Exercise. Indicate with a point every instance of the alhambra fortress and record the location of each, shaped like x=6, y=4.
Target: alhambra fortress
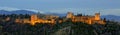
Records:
x=51, y=19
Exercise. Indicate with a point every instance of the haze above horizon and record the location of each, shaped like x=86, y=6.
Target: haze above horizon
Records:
x=106, y=7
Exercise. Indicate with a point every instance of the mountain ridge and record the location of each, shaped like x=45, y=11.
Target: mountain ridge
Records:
x=111, y=17
x=108, y=17
x=16, y=12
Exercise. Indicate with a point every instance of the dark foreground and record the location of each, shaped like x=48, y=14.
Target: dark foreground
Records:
x=65, y=28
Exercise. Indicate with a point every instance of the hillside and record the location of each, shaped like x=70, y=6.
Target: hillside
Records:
x=111, y=17
x=65, y=28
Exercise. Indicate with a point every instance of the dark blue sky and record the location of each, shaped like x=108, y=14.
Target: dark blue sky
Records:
x=82, y=6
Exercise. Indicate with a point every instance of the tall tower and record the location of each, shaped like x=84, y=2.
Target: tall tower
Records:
x=52, y=21
x=33, y=19
x=97, y=16
x=69, y=15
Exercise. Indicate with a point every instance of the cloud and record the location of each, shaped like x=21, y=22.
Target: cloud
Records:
x=37, y=11
x=10, y=9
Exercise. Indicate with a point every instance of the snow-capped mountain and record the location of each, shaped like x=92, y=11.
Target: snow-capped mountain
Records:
x=16, y=12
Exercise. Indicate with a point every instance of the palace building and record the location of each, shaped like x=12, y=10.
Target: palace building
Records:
x=35, y=19
x=85, y=19
x=51, y=19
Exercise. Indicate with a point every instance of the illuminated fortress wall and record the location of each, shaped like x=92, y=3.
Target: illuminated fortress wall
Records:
x=86, y=19
x=34, y=19
x=50, y=19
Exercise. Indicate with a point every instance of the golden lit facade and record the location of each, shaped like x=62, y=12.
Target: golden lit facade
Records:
x=50, y=19
x=86, y=19
x=69, y=15
x=34, y=19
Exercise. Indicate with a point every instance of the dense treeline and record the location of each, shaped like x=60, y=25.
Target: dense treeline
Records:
x=79, y=28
